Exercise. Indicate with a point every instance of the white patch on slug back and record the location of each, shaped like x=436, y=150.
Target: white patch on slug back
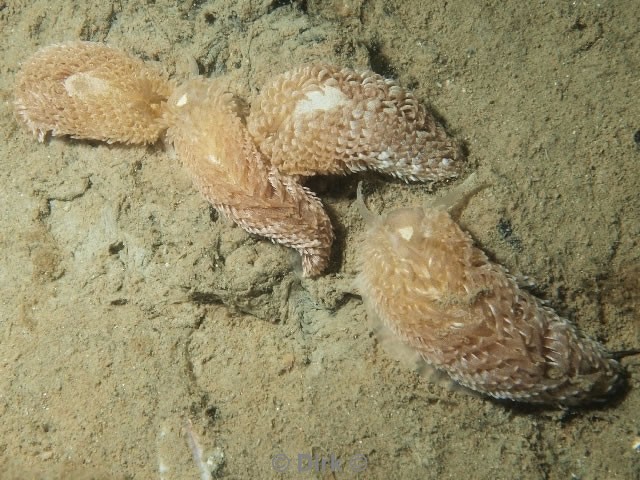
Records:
x=84, y=85
x=182, y=101
x=406, y=232
x=327, y=98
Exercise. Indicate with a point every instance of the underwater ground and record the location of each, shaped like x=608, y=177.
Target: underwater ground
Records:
x=134, y=320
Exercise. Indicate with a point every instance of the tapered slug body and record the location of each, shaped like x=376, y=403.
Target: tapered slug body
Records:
x=214, y=145
x=422, y=276
x=92, y=91
x=319, y=119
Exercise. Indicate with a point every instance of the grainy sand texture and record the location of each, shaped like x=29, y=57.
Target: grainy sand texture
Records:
x=137, y=326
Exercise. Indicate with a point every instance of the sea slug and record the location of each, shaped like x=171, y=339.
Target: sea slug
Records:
x=214, y=145
x=465, y=315
x=321, y=119
x=91, y=91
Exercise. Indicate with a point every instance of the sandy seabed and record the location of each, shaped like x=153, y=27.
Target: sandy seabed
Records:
x=134, y=319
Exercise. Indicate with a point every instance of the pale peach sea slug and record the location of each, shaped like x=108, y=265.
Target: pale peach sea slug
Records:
x=214, y=145
x=465, y=315
x=93, y=91
x=320, y=119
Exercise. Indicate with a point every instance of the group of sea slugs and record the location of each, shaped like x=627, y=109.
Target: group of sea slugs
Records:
x=420, y=273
